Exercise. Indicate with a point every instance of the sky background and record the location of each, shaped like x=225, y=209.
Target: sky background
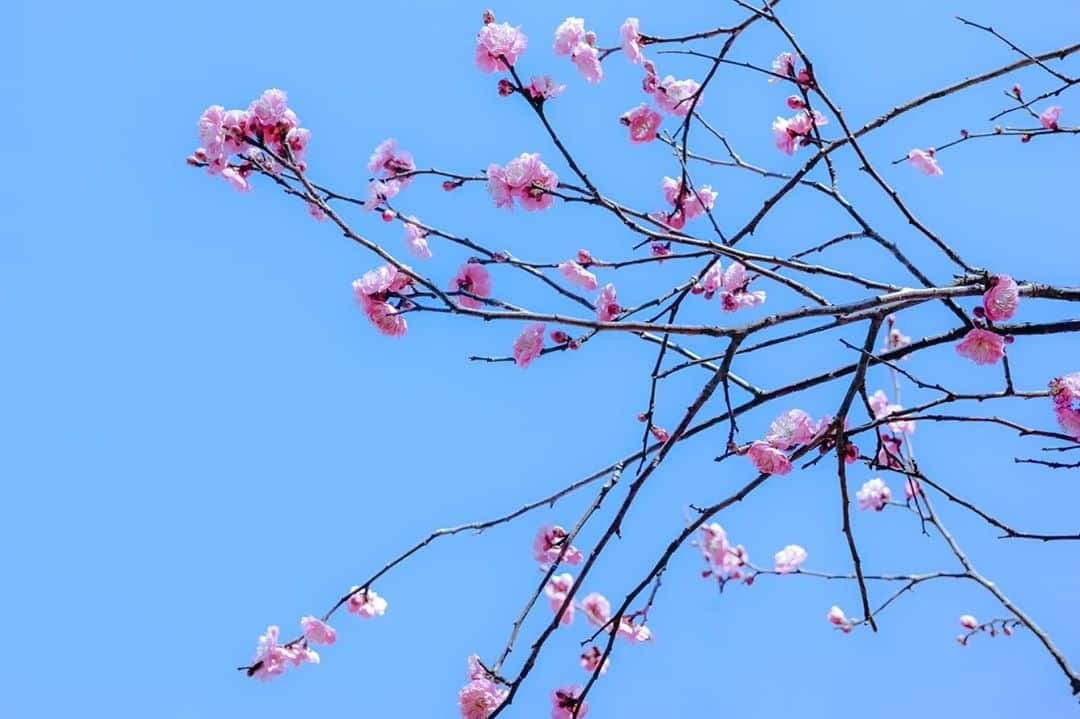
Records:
x=202, y=435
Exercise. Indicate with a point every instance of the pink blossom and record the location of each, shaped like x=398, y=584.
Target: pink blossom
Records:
x=211, y=133
x=789, y=429
x=924, y=160
x=630, y=37
x=982, y=346
x=235, y=178
x=416, y=238
x=797, y=128
x=525, y=178
x=474, y=279
x=1065, y=393
x=386, y=318
x=366, y=603
x=713, y=279
x=476, y=668
x=317, y=631
x=271, y=108
x=676, y=96
x=735, y=293
x=297, y=139
x=1001, y=300
x=380, y=279
x=607, y=304
x=568, y=35
x=549, y=542
x=889, y=453
x=968, y=622
x=784, y=64
x=837, y=617
x=912, y=487
x=1048, y=118
x=528, y=344
x=316, y=211
x=498, y=46
x=795, y=102
x=1069, y=419
x=564, y=703
x=578, y=275
x=387, y=162
x=590, y=660
x=543, y=87
x=379, y=191
x=597, y=609
x=789, y=558
x=768, y=459
x=635, y=633
x=874, y=494
x=480, y=698
x=643, y=122
x=556, y=590
x=692, y=206
x=271, y=657
x=587, y=59
x=881, y=406
x=714, y=543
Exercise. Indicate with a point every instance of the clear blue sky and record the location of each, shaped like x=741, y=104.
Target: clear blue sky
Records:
x=202, y=435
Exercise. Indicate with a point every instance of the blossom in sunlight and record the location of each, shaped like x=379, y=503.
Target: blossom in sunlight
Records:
x=607, y=304
x=969, y=622
x=474, y=279
x=837, y=617
x=597, y=609
x=784, y=65
x=788, y=133
x=548, y=543
x=630, y=40
x=587, y=59
x=924, y=160
x=1001, y=300
x=881, y=406
x=528, y=344
x=366, y=603
x=578, y=275
x=556, y=590
x=789, y=429
x=691, y=204
x=317, y=631
x=590, y=660
x=1065, y=393
x=542, y=87
x=768, y=459
x=498, y=45
x=387, y=161
x=480, y=698
x=526, y=179
x=1048, y=118
x=789, y=558
x=676, y=96
x=874, y=494
x=416, y=238
x=565, y=703
x=643, y=122
x=568, y=35
x=982, y=346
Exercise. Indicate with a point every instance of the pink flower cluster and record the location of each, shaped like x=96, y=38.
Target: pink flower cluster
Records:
x=924, y=161
x=674, y=97
x=1065, y=394
x=387, y=162
x=590, y=660
x=597, y=611
x=267, y=121
x=732, y=284
x=631, y=40
x=272, y=658
x=549, y=542
x=725, y=561
x=529, y=344
x=796, y=130
x=365, y=603
x=373, y=290
x=572, y=39
x=525, y=178
x=498, y=45
x=874, y=494
x=686, y=204
x=482, y=695
x=836, y=616
x=788, y=559
x=881, y=407
x=607, y=304
x=790, y=429
x=578, y=275
x=784, y=66
x=643, y=121
x=416, y=238
x=472, y=278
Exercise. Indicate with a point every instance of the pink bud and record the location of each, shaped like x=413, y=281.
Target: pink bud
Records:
x=489, y=17
x=1009, y=339
x=968, y=622
x=997, y=130
x=584, y=258
x=706, y=573
x=559, y=337
x=795, y=102
x=804, y=77
x=749, y=581
x=388, y=216
x=643, y=416
x=979, y=312
x=1025, y=137
x=506, y=87
x=1007, y=630
x=192, y=160
x=962, y=639
x=660, y=433
x=964, y=133
x=573, y=344
x=697, y=289
x=499, y=257
x=449, y=185
x=590, y=37
x=1017, y=92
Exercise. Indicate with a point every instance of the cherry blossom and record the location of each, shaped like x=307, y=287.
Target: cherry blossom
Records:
x=590, y=660
x=635, y=633
x=982, y=346
x=1065, y=393
x=692, y=205
x=784, y=65
x=237, y=179
x=416, y=238
x=525, y=178
x=789, y=558
x=498, y=46
x=881, y=406
x=1048, y=118
x=735, y=294
x=316, y=212
x=924, y=160
x=587, y=59
x=789, y=132
x=379, y=191
x=630, y=38
x=317, y=631
x=556, y=590
x=676, y=96
x=387, y=162
x=725, y=560
x=597, y=609
x=607, y=304
x=365, y=603
x=837, y=617
x=474, y=279
x=578, y=275
x=549, y=542
x=480, y=698
x=528, y=344
x=874, y=494
x=768, y=459
x=791, y=428
x=272, y=659
x=564, y=703
x=643, y=122
x=543, y=87
x=568, y=35
x=1001, y=300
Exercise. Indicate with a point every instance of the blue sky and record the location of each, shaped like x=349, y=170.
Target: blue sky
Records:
x=203, y=435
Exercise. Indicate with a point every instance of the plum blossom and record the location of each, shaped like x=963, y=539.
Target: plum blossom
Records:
x=735, y=293
x=1065, y=393
x=474, y=279
x=549, y=542
x=578, y=275
x=676, y=96
x=607, y=304
x=630, y=38
x=416, y=238
x=912, y=487
x=784, y=65
x=525, y=178
x=837, y=617
x=365, y=603
x=480, y=698
x=1048, y=118
x=968, y=622
x=379, y=191
x=378, y=280
x=726, y=561
x=236, y=178
x=318, y=632
x=498, y=46
x=799, y=128
x=568, y=35
x=271, y=107
x=564, y=703
x=1001, y=300
x=636, y=633
x=982, y=346
x=543, y=88
x=881, y=406
x=768, y=459
x=387, y=162
x=271, y=658
x=557, y=589
x=643, y=122
x=789, y=429
x=528, y=344
x=693, y=205
x=924, y=160
x=316, y=212
x=371, y=292
x=587, y=59
x=789, y=558
x=590, y=660
x=874, y=494
x=597, y=609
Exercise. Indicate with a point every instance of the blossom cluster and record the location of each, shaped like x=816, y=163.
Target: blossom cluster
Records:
x=731, y=284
